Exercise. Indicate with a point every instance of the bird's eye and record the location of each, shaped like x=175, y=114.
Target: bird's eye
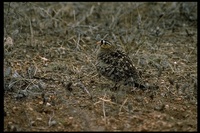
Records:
x=102, y=41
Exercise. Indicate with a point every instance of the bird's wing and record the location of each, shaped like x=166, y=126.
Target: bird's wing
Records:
x=117, y=66
x=125, y=63
x=119, y=63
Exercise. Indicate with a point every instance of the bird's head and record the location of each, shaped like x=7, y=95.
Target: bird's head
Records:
x=104, y=44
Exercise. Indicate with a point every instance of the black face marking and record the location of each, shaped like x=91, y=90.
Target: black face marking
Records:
x=105, y=42
x=102, y=42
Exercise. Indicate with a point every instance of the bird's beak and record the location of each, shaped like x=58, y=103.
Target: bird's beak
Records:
x=99, y=42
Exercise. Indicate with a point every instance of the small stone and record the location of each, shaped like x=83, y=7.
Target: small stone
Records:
x=71, y=118
x=39, y=119
x=42, y=85
x=31, y=109
x=159, y=108
x=139, y=99
x=88, y=38
x=167, y=106
x=52, y=123
x=178, y=99
x=10, y=122
x=41, y=102
x=23, y=92
x=48, y=104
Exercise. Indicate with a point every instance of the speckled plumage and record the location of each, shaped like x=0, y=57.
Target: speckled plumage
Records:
x=115, y=65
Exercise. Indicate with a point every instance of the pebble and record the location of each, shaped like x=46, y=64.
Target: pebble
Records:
x=167, y=107
x=39, y=119
x=159, y=108
x=71, y=118
x=48, y=104
x=178, y=99
x=52, y=123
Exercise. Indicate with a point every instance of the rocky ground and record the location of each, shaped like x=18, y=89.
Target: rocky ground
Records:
x=50, y=79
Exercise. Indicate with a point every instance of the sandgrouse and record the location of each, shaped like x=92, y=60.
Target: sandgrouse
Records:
x=115, y=65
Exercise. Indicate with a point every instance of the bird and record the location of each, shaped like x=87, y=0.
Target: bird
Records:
x=116, y=66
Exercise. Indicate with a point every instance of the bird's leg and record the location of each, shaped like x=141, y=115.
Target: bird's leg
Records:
x=115, y=87
x=140, y=86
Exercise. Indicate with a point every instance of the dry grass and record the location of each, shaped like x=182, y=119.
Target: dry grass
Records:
x=51, y=83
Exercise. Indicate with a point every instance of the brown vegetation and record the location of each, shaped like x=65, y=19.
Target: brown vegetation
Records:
x=50, y=79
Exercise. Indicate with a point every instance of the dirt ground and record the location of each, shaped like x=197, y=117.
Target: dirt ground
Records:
x=50, y=79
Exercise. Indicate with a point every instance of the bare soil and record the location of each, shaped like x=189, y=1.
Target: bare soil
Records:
x=50, y=79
